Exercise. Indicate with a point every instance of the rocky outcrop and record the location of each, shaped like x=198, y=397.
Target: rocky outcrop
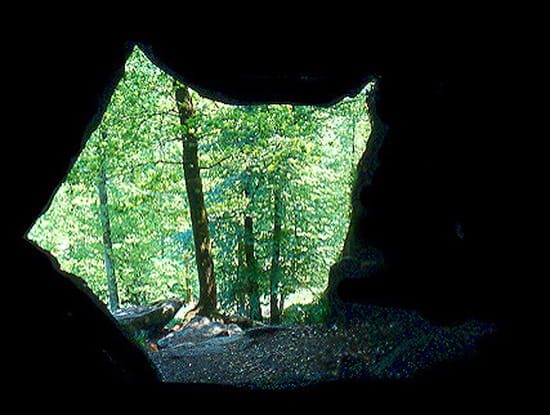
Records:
x=150, y=318
x=360, y=259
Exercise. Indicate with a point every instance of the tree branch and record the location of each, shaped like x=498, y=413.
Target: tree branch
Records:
x=147, y=115
x=217, y=163
x=145, y=164
x=152, y=115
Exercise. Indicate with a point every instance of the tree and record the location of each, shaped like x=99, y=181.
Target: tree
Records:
x=276, y=180
x=207, y=304
x=275, y=273
x=107, y=242
x=250, y=268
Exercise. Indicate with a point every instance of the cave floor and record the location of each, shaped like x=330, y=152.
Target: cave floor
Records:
x=389, y=344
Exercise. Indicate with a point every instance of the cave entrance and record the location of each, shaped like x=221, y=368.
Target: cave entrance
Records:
x=263, y=192
x=275, y=180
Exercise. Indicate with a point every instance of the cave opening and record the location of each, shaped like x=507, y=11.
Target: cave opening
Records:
x=276, y=183
x=253, y=161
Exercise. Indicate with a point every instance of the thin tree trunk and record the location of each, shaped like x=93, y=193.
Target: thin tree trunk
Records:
x=275, y=260
x=251, y=270
x=241, y=275
x=187, y=289
x=112, y=288
x=207, y=304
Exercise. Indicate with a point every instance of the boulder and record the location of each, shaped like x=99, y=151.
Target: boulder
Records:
x=150, y=318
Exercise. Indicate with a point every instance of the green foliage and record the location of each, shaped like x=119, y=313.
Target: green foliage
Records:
x=306, y=154
x=315, y=312
x=140, y=338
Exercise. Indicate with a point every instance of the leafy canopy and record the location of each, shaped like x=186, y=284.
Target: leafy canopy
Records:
x=306, y=154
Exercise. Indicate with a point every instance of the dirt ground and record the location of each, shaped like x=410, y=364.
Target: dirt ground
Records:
x=389, y=344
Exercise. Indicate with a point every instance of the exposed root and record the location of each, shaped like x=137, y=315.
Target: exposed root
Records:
x=201, y=311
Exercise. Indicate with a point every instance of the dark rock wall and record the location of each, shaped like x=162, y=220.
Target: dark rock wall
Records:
x=425, y=206
x=429, y=208
x=411, y=197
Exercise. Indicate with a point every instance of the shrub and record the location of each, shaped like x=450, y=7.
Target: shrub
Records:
x=315, y=312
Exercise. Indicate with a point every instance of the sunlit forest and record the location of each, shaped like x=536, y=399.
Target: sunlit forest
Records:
x=178, y=196
x=208, y=234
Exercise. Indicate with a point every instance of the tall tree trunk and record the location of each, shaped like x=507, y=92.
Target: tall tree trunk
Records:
x=240, y=300
x=275, y=260
x=207, y=304
x=112, y=288
x=251, y=269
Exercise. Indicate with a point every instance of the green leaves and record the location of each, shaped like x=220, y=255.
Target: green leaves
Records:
x=308, y=154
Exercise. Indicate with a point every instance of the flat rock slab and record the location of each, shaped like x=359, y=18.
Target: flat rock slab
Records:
x=152, y=317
